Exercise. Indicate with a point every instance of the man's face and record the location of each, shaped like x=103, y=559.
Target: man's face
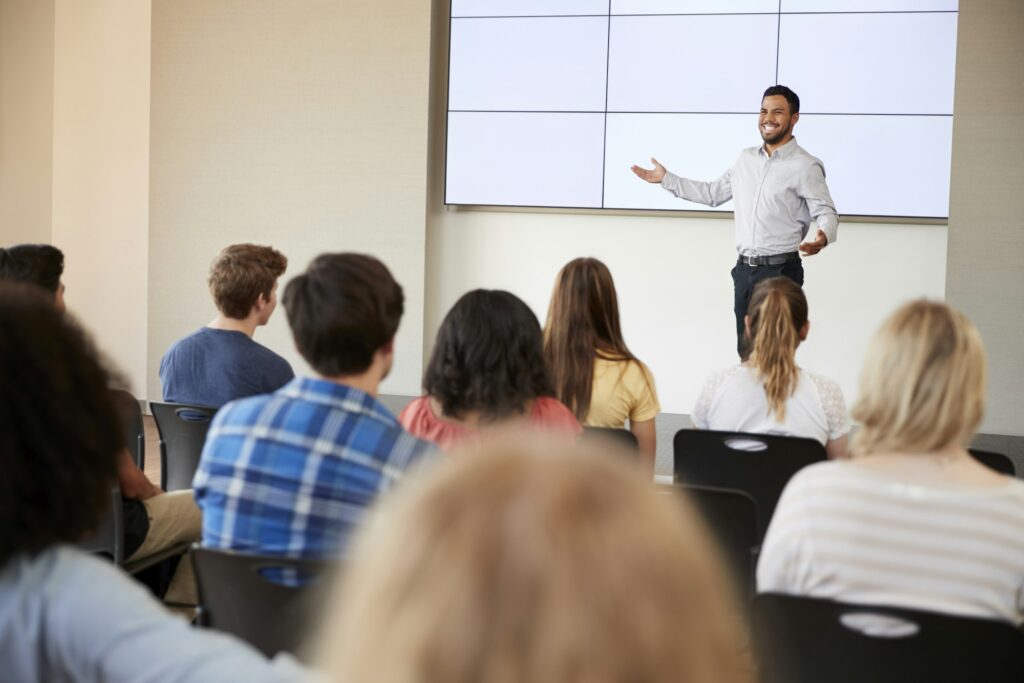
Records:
x=775, y=121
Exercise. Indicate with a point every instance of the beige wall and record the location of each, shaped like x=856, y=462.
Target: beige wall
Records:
x=297, y=124
x=100, y=170
x=986, y=217
x=26, y=120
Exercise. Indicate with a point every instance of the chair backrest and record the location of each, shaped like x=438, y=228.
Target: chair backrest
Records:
x=182, y=435
x=108, y=540
x=800, y=639
x=622, y=438
x=997, y=461
x=731, y=517
x=757, y=464
x=236, y=596
x=130, y=413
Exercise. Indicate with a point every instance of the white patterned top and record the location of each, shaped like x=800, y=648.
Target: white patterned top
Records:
x=733, y=400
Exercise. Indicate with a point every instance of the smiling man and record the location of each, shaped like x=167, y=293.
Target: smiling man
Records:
x=779, y=191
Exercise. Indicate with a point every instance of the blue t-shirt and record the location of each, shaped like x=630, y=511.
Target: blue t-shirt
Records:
x=211, y=367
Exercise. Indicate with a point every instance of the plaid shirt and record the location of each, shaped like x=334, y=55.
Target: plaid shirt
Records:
x=292, y=473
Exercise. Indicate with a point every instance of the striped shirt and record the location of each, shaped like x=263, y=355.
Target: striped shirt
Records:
x=846, y=533
x=292, y=473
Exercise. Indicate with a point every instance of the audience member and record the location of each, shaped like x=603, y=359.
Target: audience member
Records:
x=539, y=562
x=913, y=520
x=486, y=374
x=594, y=372
x=153, y=520
x=66, y=615
x=768, y=393
x=291, y=473
x=222, y=362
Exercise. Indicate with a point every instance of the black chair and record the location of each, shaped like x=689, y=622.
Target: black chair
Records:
x=731, y=517
x=108, y=539
x=236, y=596
x=996, y=461
x=620, y=438
x=130, y=413
x=799, y=639
x=757, y=464
x=182, y=435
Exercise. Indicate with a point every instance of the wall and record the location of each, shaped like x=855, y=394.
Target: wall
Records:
x=986, y=219
x=26, y=120
x=100, y=170
x=300, y=127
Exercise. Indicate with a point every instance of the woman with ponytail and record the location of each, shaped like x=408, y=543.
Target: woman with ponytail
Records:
x=594, y=372
x=768, y=393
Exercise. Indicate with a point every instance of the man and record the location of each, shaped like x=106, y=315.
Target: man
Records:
x=222, y=362
x=778, y=189
x=291, y=473
x=153, y=520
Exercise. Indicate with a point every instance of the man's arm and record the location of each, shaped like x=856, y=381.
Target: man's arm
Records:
x=134, y=484
x=815, y=192
x=713, y=194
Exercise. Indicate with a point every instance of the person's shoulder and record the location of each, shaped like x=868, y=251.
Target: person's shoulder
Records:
x=824, y=384
x=188, y=342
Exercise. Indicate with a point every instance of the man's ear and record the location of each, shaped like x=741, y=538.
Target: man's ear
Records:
x=389, y=346
x=746, y=325
x=796, y=117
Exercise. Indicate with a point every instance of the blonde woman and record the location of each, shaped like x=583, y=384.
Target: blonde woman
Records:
x=768, y=393
x=533, y=563
x=912, y=520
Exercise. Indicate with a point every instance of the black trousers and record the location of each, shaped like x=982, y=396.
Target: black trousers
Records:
x=744, y=278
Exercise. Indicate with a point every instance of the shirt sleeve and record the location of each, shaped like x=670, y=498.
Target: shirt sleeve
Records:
x=702, y=409
x=712, y=193
x=645, y=406
x=834, y=406
x=814, y=191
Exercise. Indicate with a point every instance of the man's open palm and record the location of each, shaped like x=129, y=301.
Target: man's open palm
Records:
x=653, y=175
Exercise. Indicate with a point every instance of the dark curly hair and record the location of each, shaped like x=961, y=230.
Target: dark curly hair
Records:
x=488, y=357
x=59, y=432
x=38, y=264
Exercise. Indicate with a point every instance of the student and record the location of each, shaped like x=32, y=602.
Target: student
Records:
x=222, y=361
x=768, y=393
x=594, y=372
x=912, y=520
x=541, y=562
x=41, y=265
x=292, y=472
x=486, y=374
x=66, y=615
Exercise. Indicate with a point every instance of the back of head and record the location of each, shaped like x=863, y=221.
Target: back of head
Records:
x=488, y=357
x=240, y=274
x=41, y=265
x=922, y=386
x=59, y=433
x=582, y=324
x=778, y=311
x=533, y=562
x=342, y=310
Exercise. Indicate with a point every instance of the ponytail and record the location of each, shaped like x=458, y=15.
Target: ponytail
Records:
x=778, y=310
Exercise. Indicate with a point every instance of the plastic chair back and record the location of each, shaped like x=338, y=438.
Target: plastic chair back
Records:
x=731, y=517
x=996, y=461
x=108, y=540
x=620, y=438
x=182, y=435
x=130, y=413
x=800, y=639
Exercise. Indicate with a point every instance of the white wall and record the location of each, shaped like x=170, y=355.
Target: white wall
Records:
x=101, y=170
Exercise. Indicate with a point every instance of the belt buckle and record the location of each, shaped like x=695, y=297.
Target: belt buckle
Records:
x=752, y=261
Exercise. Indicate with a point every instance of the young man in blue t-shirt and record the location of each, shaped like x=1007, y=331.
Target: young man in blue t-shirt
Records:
x=221, y=362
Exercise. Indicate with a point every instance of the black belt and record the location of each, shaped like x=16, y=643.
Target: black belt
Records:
x=771, y=260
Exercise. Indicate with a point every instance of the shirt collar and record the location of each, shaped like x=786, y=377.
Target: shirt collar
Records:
x=339, y=396
x=782, y=152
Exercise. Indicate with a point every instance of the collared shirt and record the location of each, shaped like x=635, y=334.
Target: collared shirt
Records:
x=292, y=473
x=775, y=198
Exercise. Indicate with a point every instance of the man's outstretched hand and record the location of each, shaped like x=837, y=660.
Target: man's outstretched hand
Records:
x=811, y=248
x=653, y=175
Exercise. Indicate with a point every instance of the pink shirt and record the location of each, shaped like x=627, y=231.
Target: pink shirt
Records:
x=419, y=419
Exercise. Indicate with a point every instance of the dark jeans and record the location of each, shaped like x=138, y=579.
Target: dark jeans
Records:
x=744, y=278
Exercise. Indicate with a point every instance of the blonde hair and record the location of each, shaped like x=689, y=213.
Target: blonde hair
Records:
x=533, y=563
x=778, y=311
x=922, y=386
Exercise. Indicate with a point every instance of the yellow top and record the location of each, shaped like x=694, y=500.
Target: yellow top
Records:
x=622, y=390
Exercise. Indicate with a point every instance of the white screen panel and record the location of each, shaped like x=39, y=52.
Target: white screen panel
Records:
x=870, y=63
x=525, y=159
x=698, y=146
x=704, y=63
x=694, y=6
x=883, y=165
x=527, y=8
x=547, y=64
x=869, y=5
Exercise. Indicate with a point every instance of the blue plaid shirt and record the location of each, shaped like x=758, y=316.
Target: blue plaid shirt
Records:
x=292, y=473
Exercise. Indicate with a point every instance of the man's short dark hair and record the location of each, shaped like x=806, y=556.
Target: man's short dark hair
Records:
x=791, y=97
x=59, y=431
x=41, y=265
x=342, y=310
x=488, y=357
x=240, y=274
